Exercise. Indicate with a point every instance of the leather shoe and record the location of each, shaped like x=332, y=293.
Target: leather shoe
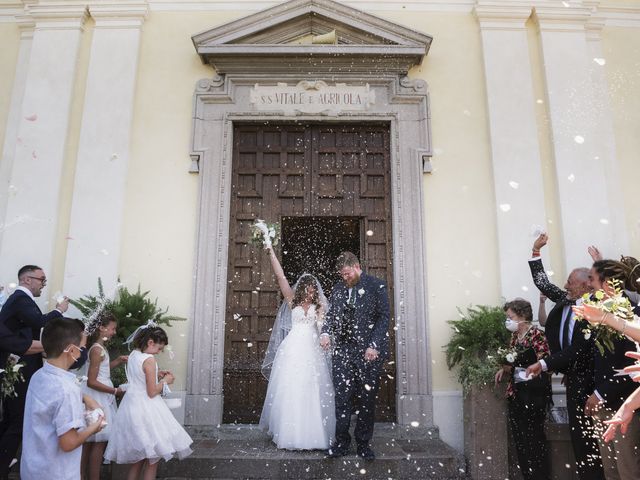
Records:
x=366, y=453
x=337, y=451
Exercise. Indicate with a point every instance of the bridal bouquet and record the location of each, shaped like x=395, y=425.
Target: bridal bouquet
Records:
x=264, y=234
x=610, y=300
x=11, y=375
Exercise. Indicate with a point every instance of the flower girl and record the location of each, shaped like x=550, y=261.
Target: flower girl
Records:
x=145, y=430
x=99, y=387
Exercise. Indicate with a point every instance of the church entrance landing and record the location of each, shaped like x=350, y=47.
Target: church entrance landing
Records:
x=328, y=187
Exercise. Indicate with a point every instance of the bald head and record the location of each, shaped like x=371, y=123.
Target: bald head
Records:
x=578, y=283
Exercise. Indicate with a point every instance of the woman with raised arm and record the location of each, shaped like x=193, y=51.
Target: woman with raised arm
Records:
x=298, y=410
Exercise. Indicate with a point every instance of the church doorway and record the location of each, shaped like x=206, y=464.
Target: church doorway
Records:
x=328, y=188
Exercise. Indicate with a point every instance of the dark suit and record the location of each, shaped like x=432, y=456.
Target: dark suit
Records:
x=20, y=320
x=354, y=329
x=576, y=361
x=621, y=459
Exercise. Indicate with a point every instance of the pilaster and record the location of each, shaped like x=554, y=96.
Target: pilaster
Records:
x=585, y=208
x=604, y=137
x=33, y=206
x=515, y=153
x=103, y=150
x=7, y=190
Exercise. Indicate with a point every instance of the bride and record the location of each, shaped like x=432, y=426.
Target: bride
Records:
x=298, y=410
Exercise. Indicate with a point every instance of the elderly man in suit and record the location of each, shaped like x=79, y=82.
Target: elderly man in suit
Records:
x=572, y=355
x=20, y=322
x=358, y=320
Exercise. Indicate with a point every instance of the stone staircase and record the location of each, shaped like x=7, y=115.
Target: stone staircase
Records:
x=245, y=452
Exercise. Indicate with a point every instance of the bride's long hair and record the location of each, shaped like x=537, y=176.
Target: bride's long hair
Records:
x=300, y=293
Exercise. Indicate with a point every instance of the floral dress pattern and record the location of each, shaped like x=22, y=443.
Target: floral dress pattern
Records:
x=534, y=339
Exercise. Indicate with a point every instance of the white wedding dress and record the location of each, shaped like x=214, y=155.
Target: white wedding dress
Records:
x=299, y=407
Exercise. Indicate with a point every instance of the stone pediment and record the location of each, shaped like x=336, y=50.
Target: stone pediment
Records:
x=278, y=40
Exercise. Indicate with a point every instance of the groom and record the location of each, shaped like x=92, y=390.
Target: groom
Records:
x=358, y=320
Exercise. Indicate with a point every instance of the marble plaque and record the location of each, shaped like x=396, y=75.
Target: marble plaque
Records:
x=312, y=97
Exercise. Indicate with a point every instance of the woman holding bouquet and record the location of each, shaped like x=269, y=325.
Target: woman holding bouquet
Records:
x=298, y=411
x=527, y=398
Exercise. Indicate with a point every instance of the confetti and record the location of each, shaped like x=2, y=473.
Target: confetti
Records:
x=505, y=207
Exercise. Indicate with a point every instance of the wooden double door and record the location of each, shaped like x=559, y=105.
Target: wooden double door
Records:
x=328, y=187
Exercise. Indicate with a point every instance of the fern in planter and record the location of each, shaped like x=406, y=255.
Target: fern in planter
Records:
x=477, y=335
x=131, y=309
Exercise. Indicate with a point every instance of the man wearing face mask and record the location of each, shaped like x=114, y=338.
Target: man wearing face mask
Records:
x=571, y=354
x=21, y=317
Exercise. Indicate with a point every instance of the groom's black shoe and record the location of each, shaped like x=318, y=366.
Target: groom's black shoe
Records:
x=365, y=452
x=337, y=451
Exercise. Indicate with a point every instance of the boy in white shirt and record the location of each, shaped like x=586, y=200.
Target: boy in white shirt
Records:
x=54, y=425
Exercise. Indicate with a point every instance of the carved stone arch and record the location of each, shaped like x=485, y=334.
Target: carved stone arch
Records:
x=374, y=55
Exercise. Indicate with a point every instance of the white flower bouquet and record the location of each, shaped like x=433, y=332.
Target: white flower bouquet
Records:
x=264, y=234
x=11, y=374
x=610, y=300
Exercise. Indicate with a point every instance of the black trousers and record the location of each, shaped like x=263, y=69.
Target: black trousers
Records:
x=356, y=384
x=526, y=421
x=11, y=427
x=583, y=441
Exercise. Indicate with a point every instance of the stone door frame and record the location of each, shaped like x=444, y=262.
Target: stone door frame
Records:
x=224, y=99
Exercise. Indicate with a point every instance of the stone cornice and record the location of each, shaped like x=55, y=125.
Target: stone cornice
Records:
x=120, y=14
x=559, y=17
x=266, y=40
x=502, y=16
x=26, y=25
x=621, y=16
x=286, y=11
x=58, y=16
x=614, y=15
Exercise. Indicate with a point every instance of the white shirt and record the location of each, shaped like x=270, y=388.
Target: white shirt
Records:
x=572, y=322
x=27, y=291
x=53, y=407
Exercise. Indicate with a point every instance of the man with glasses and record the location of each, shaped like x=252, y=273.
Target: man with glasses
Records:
x=20, y=323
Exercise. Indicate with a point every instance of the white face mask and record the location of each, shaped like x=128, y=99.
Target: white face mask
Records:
x=511, y=325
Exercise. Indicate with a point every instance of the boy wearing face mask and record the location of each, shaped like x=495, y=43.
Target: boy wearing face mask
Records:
x=54, y=425
x=527, y=397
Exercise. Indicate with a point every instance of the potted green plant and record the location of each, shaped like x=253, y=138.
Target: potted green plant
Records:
x=131, y=309
x=477, y=335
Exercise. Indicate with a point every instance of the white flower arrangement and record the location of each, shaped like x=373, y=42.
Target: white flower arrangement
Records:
x=506, y=355
x=12, y=375
x=264, y=234
x=611, y=301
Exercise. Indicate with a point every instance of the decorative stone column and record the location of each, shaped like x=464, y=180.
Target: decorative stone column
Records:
x=103, y=151
x=7, y=190
x=581, y=177
x=515, y=152
x=43, y=121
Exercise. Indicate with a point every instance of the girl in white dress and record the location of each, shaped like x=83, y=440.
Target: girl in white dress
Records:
x=299, y=408
x=99, y=387
x=145, y=430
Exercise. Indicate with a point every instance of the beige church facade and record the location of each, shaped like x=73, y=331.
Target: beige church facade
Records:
x=140, y=139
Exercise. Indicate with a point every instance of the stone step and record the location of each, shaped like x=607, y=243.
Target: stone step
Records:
x=246, y=453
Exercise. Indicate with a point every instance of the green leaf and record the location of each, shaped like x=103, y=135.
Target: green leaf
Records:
x=477, y=334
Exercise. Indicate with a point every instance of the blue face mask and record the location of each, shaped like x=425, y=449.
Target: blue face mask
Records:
x=511, y=325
